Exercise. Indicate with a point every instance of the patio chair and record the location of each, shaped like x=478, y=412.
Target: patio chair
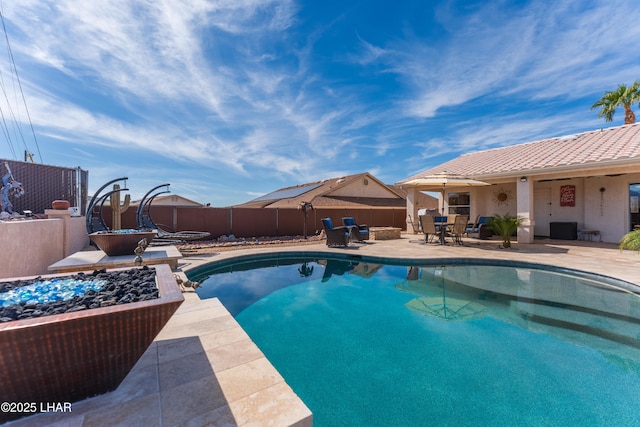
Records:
x=480, y=229
x=472, y=225
x=336, y=236
x=428, y=228
x=459, y=228
x=359, y=232
x=414, y=226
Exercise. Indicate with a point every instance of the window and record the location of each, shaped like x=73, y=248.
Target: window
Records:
x=459, y=203
x=634, y=196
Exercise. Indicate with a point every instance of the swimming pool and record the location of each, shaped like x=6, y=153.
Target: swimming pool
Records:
x=366, y=341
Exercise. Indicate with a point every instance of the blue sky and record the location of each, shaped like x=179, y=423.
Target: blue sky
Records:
x=228, y=100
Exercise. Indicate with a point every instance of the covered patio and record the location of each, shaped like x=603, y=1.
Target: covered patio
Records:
x=588, y=181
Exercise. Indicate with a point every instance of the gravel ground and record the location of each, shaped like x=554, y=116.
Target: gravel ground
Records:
x=230, y=244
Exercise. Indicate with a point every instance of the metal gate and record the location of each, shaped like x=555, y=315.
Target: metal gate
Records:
x=43, y=184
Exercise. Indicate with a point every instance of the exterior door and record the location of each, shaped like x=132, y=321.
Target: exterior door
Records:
x=542, y=211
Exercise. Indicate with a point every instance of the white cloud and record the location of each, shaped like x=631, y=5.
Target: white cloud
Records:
x=237, y=87
x=543, y=51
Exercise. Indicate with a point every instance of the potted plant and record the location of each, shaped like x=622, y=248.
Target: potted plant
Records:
x=631, y=241
x=505, y=226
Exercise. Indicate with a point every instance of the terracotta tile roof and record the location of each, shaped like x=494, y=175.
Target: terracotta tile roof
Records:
x=612, y=145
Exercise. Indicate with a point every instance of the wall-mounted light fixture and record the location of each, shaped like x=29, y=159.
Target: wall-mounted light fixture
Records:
x=523, y=179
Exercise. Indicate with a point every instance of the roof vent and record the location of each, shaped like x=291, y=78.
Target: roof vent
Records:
x=568, y=137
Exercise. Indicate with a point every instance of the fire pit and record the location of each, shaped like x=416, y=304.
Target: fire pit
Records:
x=72, y=356
x=120, y=242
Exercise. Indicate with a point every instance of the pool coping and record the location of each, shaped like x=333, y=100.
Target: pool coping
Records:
x=604, y=259
x=417, y=262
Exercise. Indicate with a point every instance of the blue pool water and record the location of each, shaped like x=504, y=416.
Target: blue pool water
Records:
x=370, y=344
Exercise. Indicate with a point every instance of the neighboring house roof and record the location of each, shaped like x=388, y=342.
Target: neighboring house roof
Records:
x=358, y=191
x=611, y=147
x=170, y=200
x=421, y=199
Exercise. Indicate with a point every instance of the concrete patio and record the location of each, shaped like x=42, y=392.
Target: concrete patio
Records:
x=203, y=369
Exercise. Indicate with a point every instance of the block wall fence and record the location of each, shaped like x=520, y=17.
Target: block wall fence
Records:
x=257, y=222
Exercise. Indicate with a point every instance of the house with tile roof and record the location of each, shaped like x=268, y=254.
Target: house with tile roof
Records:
x=171, y=200
x=590, y=181
x=359, y=191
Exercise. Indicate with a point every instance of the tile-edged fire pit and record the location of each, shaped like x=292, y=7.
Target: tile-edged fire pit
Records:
x=72, y=356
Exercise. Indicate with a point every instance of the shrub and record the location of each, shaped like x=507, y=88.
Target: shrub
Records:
x=505, y=226
x=631, y=241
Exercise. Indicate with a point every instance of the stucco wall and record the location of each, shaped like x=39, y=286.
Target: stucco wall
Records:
x=485, y=203
x=608, y=211
x=605, y=211
x=30, y=246
x=547, y=207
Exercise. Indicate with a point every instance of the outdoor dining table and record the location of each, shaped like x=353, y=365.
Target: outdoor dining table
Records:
x=442, y=228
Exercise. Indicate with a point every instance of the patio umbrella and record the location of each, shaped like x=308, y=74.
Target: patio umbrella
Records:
x=441, y=306
x=447, y=308
x=440, y=181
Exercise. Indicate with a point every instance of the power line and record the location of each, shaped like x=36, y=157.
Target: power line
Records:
x=15, y=70
x=5, y=129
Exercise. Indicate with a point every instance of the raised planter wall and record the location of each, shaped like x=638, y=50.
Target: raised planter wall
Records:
x=30, y=246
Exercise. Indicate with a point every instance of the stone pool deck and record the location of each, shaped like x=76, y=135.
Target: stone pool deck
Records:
x=203, y=369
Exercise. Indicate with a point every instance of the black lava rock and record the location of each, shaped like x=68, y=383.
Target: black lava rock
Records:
x=127, y=286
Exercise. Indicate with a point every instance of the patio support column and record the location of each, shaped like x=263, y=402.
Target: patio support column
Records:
x=412, y=208
x=524, y=207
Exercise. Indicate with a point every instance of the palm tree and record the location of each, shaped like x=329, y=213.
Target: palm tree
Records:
x=625, y=96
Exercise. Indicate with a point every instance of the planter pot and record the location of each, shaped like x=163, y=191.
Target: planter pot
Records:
x=73, y=356
x=61, y=205
x=115, y=244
